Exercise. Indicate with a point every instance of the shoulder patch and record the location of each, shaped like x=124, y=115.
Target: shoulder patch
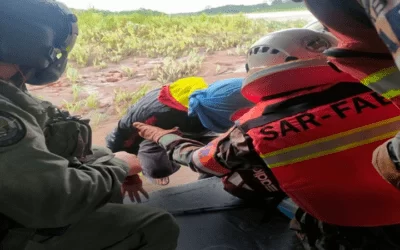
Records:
x=12, y=130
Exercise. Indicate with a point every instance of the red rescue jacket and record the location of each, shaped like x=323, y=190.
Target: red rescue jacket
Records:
x=363, y=52
x=320, y=152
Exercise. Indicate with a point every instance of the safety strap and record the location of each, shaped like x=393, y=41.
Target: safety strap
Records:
x=345, y=53
x=304, y=103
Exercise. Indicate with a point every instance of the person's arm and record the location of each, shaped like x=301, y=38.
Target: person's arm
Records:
x=228, y=152
x=121, y=138
x=385, y=16
x=125, y=137
x=37, y=188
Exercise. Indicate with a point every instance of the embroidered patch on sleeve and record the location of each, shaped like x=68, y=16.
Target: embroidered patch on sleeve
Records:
x=12, y=130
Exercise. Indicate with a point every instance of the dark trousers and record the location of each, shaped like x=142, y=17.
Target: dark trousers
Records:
x=154, y=161
x=111, y=227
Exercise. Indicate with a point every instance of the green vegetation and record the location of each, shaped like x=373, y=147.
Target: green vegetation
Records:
x=171, y=70
x=123, y=100
x=96, y=118
x=141, y=11
x=274, y=5
x=128, y=72
x=72, y=75
x=106, y=38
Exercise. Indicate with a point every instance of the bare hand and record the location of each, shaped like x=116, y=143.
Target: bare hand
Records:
x=153, y=133
x=132, y=161
x=132, y=186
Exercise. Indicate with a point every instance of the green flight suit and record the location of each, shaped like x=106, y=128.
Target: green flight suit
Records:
x=50, y=179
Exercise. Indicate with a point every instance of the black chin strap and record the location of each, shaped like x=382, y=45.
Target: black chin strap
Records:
x=344, y=53
x=20, y=78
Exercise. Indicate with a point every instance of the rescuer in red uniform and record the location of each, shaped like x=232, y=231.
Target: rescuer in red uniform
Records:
x=368, y=49
x=312, y=131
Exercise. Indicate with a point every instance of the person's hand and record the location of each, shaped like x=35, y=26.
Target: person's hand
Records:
x=382, y=160
x=153, y=133
x=132, y=161
x=132, y=186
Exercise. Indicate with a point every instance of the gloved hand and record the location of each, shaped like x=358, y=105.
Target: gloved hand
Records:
x=153, y=133
x=383, y=163
x=132, y=186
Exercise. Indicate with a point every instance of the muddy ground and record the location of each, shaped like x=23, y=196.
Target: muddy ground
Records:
x=104, y=81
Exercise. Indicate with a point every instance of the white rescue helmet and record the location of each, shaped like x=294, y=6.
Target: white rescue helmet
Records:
x=288, y=60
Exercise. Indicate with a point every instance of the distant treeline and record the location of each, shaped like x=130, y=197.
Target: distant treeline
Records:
x=257, y=8
x=276, y=5
x=130, y=12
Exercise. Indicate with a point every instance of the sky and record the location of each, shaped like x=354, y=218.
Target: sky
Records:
x=166, y=6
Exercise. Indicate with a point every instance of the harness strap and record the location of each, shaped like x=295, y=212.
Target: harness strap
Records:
x=345, y=53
